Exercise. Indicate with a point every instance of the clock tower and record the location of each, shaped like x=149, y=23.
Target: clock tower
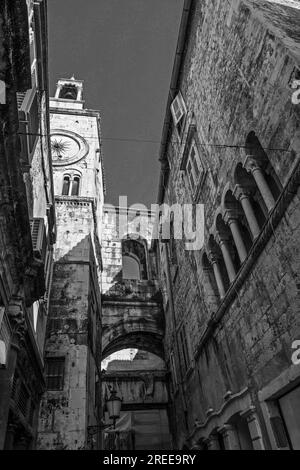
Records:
x=70, y=407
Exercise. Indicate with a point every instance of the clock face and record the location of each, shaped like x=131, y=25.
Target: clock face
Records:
x=67, y=147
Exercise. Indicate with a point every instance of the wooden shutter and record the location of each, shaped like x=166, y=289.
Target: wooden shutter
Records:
x=38, y=236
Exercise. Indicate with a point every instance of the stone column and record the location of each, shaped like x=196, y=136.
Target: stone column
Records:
x=232, y=222
x=230, y=437
x=223, y=242
x=217, y=273
x=254, y=428
x=243, y=197
x=252, y=165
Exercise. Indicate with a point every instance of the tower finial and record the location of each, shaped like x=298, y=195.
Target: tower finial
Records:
x=73, y=78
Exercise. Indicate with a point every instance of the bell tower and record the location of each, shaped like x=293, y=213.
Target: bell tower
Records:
x=69, y=89
x=70, y=406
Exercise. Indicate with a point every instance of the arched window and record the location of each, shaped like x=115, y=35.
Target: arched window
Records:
x=131, y=268
x=75, y=186
x=68, y=92
x=268, y=182
x=71, y=185
x=66, y=186
x=134, y=258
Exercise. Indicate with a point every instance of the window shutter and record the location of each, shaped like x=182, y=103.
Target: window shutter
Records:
x=38, y=235
x=20, y=99
x=28, y=106
x=23, y=400
x=178, y=109
x=33, y=122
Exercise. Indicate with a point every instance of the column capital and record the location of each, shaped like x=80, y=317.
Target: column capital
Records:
x=225, y=428
x=222, y=238
x=213, y=256
x=230, y=215
x=251, y=164
x=241, y=192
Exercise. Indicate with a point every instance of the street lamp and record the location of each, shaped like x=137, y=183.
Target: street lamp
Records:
x=114, y=406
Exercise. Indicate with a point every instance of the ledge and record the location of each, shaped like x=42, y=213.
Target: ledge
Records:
x=277, y=213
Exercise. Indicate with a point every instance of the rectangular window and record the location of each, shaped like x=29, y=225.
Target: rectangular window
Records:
x=194, y=166
x=179, y=111
x=55, y=367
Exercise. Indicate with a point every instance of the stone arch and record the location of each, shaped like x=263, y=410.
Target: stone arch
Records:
x=146, y=341
x=255, y=150
x=228, y=187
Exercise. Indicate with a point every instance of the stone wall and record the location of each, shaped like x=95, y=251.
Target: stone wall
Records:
x=73, y=331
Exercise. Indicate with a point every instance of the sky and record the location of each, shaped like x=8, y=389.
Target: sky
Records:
x=124, y=51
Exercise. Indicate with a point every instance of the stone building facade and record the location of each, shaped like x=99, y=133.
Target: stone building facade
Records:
x=132, y=317
x=142, y=385
x=231, y=141
x=215, y=327
x=27, y=227
x=71, y=405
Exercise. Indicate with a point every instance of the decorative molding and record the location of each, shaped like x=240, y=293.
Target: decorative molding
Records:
x=237, y=403
x=83, y=147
